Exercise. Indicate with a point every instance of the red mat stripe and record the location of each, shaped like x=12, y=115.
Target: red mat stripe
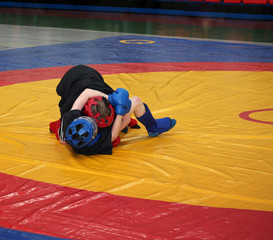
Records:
x=59, y=211
x=29, y=75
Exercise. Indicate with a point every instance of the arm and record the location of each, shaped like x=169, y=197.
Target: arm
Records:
x=84, y=96
x=120, y=123
x=116, y=127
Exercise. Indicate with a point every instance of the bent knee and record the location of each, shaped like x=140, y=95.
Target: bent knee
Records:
x=136, y=101
x=137, y=106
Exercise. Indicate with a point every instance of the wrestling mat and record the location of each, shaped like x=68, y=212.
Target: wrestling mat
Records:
x=210, y=177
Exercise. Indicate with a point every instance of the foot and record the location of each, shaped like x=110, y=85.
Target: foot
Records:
x=163, y=125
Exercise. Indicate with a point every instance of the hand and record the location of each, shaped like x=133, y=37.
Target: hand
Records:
x=120, y=101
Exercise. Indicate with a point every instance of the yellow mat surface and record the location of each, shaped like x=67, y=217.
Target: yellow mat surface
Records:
x=211, y=158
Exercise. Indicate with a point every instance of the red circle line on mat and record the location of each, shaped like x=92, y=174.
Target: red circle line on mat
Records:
x=245, y=115
x=30, y=75
x=80, y=214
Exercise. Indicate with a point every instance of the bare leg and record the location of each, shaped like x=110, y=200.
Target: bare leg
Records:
x=137, y=107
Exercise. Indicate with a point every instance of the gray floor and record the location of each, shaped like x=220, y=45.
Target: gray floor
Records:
x=16, y=36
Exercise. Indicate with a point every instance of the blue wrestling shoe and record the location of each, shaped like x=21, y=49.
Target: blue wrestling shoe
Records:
x=162, y=125
x=155, y=126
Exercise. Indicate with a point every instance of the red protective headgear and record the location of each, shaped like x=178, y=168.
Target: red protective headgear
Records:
x=93, y=109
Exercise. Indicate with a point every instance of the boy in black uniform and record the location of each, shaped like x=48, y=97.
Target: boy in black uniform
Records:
x=78, y=86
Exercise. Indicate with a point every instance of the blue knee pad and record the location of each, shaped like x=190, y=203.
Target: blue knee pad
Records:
x=162, y=125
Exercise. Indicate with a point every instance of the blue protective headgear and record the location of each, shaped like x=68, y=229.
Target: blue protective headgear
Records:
x=81, y=132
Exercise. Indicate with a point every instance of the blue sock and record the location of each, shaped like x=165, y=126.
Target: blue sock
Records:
x=147, y=119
